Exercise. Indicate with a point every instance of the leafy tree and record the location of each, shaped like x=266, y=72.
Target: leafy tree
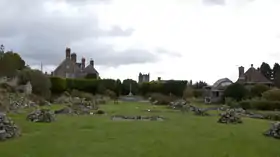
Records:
x=118, y=87
x=236, y=91
x=272, y=95
x=266, y=70
x=258, y=89
x=40, y=83
x=276, y=75
x=2, y=50
x=199, y=85
x=58, y=85
x=188, y=93
x=126, y=86
x=10, y=63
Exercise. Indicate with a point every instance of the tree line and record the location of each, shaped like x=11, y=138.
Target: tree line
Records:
x=271, y=73
x=12, y=65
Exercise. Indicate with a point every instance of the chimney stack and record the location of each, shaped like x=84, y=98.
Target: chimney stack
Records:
x=91, y=62
x=74, y=57
x=252, y=65
x=67, y=53
x=83, y=63
x=241, y=72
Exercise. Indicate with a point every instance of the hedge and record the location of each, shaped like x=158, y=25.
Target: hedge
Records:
x=58, y=85
x=260, y=104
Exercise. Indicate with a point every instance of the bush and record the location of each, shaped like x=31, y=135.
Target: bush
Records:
x=40, y=82
x=198, y=93
x=272, y=95
x=231, y=102
x=260, y=104
x=258, y=89
x=161, y=98
x=58, y=85
x=236, y=91
x=188, y=93
x=80, y=94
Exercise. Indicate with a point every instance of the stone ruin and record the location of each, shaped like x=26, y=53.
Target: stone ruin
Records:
x=274, y=130
x=200, y=112
x=8, y=129
x=42, y=115
x=138, y=118
x=179, y=104
x=230, y=116
x=78, y=106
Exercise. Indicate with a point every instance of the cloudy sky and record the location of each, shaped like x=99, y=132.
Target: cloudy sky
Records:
x=174, y=39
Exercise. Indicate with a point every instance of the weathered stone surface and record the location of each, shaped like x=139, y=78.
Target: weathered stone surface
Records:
x=78, y=106
x=274, y=130
x=200, y=112
x=7, y=128
x=42, y=115
x=230, y=116
x=138, y=118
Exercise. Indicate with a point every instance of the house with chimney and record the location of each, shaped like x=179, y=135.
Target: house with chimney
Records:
x=70, y=68
x=214, y=93
x=252, y=76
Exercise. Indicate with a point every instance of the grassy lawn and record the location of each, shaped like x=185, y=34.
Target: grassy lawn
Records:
x=182, y=135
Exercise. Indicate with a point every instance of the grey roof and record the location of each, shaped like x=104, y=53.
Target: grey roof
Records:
x=90, y=70
x=218, y=83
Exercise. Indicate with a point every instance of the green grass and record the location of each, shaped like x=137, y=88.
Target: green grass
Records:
x=182, y=135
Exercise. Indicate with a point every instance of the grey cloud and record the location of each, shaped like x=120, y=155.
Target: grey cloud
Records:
x=214, y=2
x=225, y=2
x=40, y=37
x=167, y=52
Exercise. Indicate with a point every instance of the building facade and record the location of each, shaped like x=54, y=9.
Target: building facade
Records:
x=70, y=68
x=143, y=78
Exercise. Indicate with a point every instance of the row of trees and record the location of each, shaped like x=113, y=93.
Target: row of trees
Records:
x=272, y=74
x=99, y=86
x=11, y=65
x=258, y=96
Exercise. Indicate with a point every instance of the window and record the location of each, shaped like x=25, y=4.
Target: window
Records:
x=67, y=67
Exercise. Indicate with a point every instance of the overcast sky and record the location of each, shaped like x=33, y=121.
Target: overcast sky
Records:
x=173, y=39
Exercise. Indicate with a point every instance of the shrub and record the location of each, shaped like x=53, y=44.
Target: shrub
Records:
x=231, y=102
x=198, y=93
x=58, y=85
x=260, y=104
x=40, y=82
x=80, y=94
x=272, y=95
x=258, y=89
x=236, y=91
x=188, y=93
x=161, y=98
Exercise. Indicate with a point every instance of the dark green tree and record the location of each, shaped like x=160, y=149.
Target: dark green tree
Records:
x=236, y=91
x=276, y=75
x=10, y=63
x=258, y=89
x=41, y=84
x=266, y=70
x=126, y=86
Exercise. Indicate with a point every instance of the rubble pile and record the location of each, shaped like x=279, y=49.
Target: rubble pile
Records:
x=8, y=129
x=42, y=115
x=179, y=104
x=274, y=130
x=138, y=118
x=200, y=112
x=78, y=106
x=230, y=116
